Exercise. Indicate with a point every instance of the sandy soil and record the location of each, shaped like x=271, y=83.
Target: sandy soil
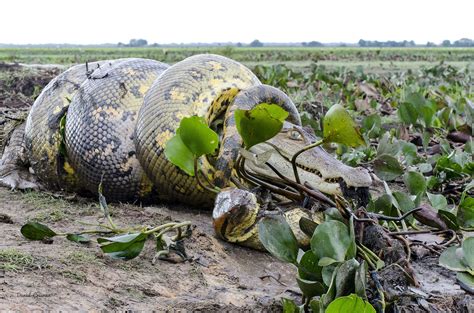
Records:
x=66, y=275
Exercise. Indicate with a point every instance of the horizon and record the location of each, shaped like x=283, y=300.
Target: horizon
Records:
x=208, y=21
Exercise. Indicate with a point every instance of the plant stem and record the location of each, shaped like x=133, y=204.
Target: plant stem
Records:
x=293, y=159
x=167, y=225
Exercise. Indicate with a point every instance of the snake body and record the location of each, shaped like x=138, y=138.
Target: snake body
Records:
x=100, y=127
x=42, y=131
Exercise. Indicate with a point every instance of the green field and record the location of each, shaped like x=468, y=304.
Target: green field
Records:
x=369, y=59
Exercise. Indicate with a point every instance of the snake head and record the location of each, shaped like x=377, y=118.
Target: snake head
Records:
x=316, y=167
x=235, y=215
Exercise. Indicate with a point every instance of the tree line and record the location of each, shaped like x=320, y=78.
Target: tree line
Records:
x=464, y=42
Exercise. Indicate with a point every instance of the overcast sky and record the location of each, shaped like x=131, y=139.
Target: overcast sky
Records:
x=178, y=21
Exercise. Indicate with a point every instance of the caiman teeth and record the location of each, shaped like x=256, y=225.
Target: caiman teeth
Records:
x=311, y=170
x=332, y=180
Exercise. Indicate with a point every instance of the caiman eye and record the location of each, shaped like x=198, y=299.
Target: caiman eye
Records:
x=295, y=135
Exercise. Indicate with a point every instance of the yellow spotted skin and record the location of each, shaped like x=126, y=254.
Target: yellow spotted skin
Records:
x=190, y=87
x=100, y=127
x=42, y=135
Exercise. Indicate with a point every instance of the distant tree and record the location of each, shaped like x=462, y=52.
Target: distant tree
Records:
x=446, y=43
x=155, y=45
x=314, y=44
x=137, y=43
x=256, y=43
x=464, y=42
x=430, y=44
x=362, y=43
x=121, y=44
x=239, y=44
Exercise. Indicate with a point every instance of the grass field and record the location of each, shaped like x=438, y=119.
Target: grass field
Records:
x=369, y=59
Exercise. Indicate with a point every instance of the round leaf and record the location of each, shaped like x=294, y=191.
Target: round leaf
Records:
x=178, y=154
x=310, y=288
x=415, y=182
x=197, y=136
x=36, y=231
x=350, y=303
x=438, y=202
x=331, y=240
x=308, y=267
x=260, y=123
x=468, y=252
x=466, y=281
x=277, y=237
x=387, y=167
x=345, y=277
x=339, y=127
x=465, y=213
x=450, y=260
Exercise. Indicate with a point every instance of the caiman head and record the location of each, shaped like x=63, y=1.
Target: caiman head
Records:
x=316, y=167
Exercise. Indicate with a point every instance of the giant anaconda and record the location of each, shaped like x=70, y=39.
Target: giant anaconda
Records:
x=110, y=125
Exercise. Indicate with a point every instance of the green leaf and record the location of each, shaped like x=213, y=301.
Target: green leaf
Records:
x=361, y=280
x=465, y=214
x=351, y=303
x=371, y=125
x=326, y=299
x=449, y=218
x=315, y=305
x=415, y=182
x=123, y=247
x=468, y=252
x=178, y=154
x=410, y=152
x=388, y=145
x=331, y=240
x=78, y=238
x=277, y=237
x=308, y=267
x=387, y=167
x=310, y=288
x=408, y=113
x=197, y=136
x=438, y=202
x=352, y=250
x=307, y=226
x=260, y=123
x=383, y=203
x=289, y=306
x=345, y=278
x=403, y=201
x=36, y=231
x=333, y=214
x=450, y=260
x=466, y=281
x=339, y=127
x=328, y=273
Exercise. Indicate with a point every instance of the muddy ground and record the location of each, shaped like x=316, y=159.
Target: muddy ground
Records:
x=62, y=275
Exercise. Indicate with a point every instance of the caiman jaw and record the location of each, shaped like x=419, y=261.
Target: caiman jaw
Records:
x=316, y=167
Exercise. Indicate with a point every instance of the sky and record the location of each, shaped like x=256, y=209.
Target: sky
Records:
x=187, y=21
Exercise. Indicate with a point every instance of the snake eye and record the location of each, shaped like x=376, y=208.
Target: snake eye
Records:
x=294, y=135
